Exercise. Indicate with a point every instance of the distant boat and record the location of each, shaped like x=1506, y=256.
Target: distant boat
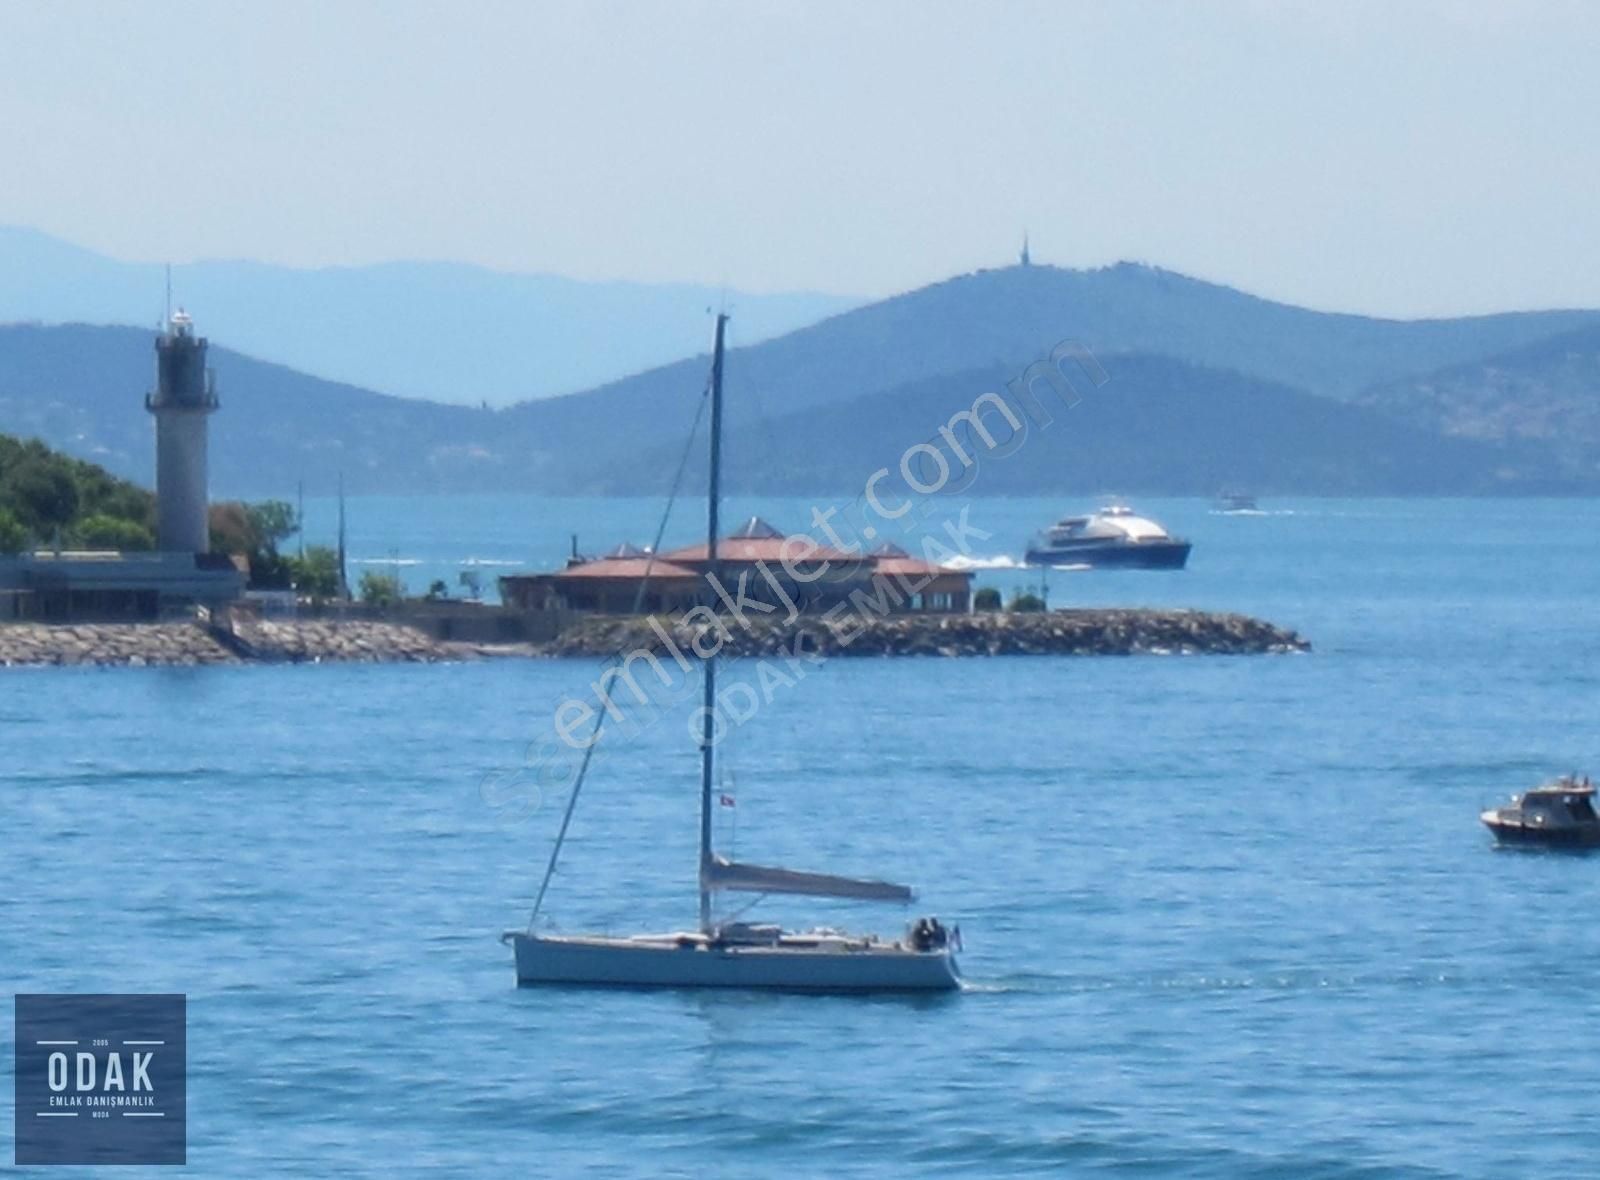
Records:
x=1237, y=504
x=1112, y=538
x=1558, y=814
x=740, y=954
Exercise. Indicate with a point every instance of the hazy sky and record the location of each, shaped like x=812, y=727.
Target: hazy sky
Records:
x=1401, y=158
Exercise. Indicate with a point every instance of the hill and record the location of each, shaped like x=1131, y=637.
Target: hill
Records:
x=1156, y=425
x=1006, y=319
x=1209, y=386
x=446, y=331
x=82, y=389
x=1546, y=394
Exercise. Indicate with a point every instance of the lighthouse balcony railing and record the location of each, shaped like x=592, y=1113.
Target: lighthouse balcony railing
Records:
x=206, y=401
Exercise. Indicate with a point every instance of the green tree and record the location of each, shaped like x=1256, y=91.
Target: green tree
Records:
x=987, y=598
x=381, y=589
x=102, y=494
x=230, y=528
x=111, y=532
x=1025, y=603
x=13, y=537
x=272, y=522
x=256, y=530
x=437, y=590
x=41, y=493
x=317, y=573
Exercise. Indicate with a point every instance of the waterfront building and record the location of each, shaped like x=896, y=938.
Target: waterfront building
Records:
x=758, y=563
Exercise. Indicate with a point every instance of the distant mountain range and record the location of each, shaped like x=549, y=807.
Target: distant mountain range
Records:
x=997, y=322
x=1545, y=395
x=1206, y=387
x=444, y=331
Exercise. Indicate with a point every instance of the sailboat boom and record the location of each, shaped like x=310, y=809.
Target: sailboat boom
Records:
x=747, y=878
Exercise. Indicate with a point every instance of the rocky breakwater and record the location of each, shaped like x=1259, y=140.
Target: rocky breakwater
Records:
x=132, y=644
x=1105, y=632
x=303, y=641
x=189, y=644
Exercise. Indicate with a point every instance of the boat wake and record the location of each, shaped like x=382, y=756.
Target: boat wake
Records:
x=962, y=562
x=1271, y=979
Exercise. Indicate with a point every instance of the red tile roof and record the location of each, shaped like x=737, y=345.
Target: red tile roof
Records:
x=889, y=558
x=659, y=570
x=768, y=549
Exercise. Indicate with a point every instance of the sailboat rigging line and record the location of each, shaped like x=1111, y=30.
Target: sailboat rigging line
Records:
x=743, y=910
x=617, y=658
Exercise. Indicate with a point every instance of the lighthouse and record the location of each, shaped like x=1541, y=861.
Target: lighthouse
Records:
x=185, y=395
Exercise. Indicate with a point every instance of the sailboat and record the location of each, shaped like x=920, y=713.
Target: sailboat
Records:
x=738, y=954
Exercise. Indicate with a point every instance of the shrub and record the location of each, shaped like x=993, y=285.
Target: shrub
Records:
x=1025, y=602
x=315, y=575
x=381, y=589
x=987, y=598
x=13, y=537
x=111, y=532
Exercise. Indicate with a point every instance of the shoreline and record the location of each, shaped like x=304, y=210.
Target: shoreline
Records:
x=1111, y=631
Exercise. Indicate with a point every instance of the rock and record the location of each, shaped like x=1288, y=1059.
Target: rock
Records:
x=1068, y=632
x=190, y=644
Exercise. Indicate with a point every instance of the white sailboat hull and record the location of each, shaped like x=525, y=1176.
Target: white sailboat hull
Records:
x=791, y=963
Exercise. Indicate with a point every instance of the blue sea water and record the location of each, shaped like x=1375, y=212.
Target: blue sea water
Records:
x=1227, y=917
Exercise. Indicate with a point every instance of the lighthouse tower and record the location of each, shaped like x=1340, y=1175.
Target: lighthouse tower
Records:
x=185, y=395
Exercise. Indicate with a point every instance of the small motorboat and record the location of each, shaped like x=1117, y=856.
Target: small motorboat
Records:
x=1237, y=504
x=1559, y=814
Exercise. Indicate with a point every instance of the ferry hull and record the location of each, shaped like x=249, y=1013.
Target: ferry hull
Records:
x=1142, y=555
x=689, y=961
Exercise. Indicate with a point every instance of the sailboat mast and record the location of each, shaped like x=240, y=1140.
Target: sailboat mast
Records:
x=344, y=583
x=713, y=569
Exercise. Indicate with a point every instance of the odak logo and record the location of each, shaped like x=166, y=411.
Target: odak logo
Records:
x=100, y=1079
